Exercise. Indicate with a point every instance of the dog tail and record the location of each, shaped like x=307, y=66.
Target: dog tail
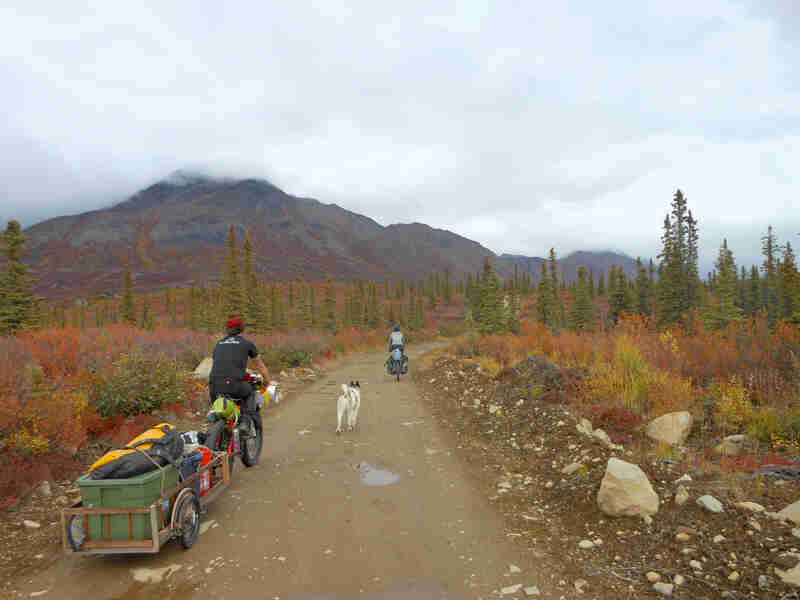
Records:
x=344, y=388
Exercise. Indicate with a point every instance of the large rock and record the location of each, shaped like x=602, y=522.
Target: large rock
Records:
x=735, y=444
x=203, y=370
x=671, y=428
x=790, y=575
x=790, y=513
x=625, y=491
x=710, y=503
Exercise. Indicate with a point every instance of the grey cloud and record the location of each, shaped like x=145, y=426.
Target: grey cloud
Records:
x=566, y=126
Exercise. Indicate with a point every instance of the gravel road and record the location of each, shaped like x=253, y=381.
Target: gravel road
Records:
x=385, y=512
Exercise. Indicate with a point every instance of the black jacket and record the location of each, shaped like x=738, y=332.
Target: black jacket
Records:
x=230, y=357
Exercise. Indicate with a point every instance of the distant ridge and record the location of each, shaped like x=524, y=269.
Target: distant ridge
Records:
x=173, y=233
x=595, y=261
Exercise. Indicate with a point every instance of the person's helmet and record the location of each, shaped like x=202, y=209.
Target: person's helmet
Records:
x=397, y=327
x=234, y=324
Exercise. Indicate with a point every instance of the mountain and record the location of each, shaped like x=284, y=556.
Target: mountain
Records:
x=596, y=261
x=173, y=233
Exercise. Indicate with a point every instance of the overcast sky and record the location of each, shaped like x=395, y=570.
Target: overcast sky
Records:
x=522, y=125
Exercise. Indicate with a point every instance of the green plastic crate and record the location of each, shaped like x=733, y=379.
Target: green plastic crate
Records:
x=138, y=492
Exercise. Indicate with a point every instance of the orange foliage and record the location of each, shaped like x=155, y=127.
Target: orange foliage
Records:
x=678, y=367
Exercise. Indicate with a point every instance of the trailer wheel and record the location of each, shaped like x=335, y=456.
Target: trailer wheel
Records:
x=187, y=519
x=76, y=532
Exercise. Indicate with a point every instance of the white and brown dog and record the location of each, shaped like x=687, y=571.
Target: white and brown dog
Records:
x=347, y=406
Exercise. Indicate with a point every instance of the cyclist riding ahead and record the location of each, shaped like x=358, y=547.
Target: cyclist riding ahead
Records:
x=230, y=363
x=396, y=340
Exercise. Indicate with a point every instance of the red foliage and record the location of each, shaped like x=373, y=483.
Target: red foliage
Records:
x=619, y=423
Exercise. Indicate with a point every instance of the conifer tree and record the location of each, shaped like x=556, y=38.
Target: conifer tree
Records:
x=679, y=284
x=512, y=317
x=374, y=310
x=254, y=300
x=769, y=283
x=490, y=316
x=329, y=307
x=304, y=308
x=357, y=305
x=447, y=290
x=581, y=315
x=723, y=309
x=233, y=303
x=274, y=308
x=128, y=310
x=559, y=311
x=391, y=318
x=544, y=299
x=147, y=321
x=752, y=293
x=621, y=300
x=190, y=310
x=16, y=296
x=787, y=282
x=601, y=285
x=642, y=290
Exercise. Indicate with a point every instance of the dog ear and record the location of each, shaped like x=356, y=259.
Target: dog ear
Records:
x=358, y=385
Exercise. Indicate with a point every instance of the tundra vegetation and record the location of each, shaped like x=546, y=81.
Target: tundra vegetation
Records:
x=725, y=346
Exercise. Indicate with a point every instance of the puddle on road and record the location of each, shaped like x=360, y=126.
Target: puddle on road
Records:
x=373, y=476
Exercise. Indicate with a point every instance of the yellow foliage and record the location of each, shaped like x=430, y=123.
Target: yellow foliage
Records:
x=629, y=380
x=28, y=442
x=734, y=408
x=489, y=365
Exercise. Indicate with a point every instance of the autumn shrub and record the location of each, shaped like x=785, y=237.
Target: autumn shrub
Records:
x=733, y=408
x=619, y=423
x=138, y=383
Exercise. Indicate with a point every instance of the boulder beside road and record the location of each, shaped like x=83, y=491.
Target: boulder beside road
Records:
x=672, y=428
x=203, y=370
x=626, y=492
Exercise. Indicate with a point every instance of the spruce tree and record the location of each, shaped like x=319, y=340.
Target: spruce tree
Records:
x=329, y=307
x=233, y=296
x=512, y=317
x=642, y=289
x=559, y=316
x=544, y=299
x=447, y=290
x=16, y=296
x=679, y=283
x=769, y=283
x=724, y=310
x=147, y=321
x=128, y=311
x=788, y=282
x=254, y=301
x=581, y=315
x=752, y=294
x=312, y=299
x=621, y=300
x=490, y=315
x=601, y=285
x=411, y=314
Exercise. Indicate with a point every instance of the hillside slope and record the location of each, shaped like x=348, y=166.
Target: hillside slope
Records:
x=174, y=232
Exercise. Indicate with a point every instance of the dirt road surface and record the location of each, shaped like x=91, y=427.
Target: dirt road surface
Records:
x=307, y=524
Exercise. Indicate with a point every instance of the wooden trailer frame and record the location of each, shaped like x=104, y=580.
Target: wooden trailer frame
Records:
x=159, y=535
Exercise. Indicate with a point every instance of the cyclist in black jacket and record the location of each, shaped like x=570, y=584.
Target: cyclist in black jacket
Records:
x=230, y=362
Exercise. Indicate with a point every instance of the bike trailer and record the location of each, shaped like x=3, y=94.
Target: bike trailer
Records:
x=140, y=514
